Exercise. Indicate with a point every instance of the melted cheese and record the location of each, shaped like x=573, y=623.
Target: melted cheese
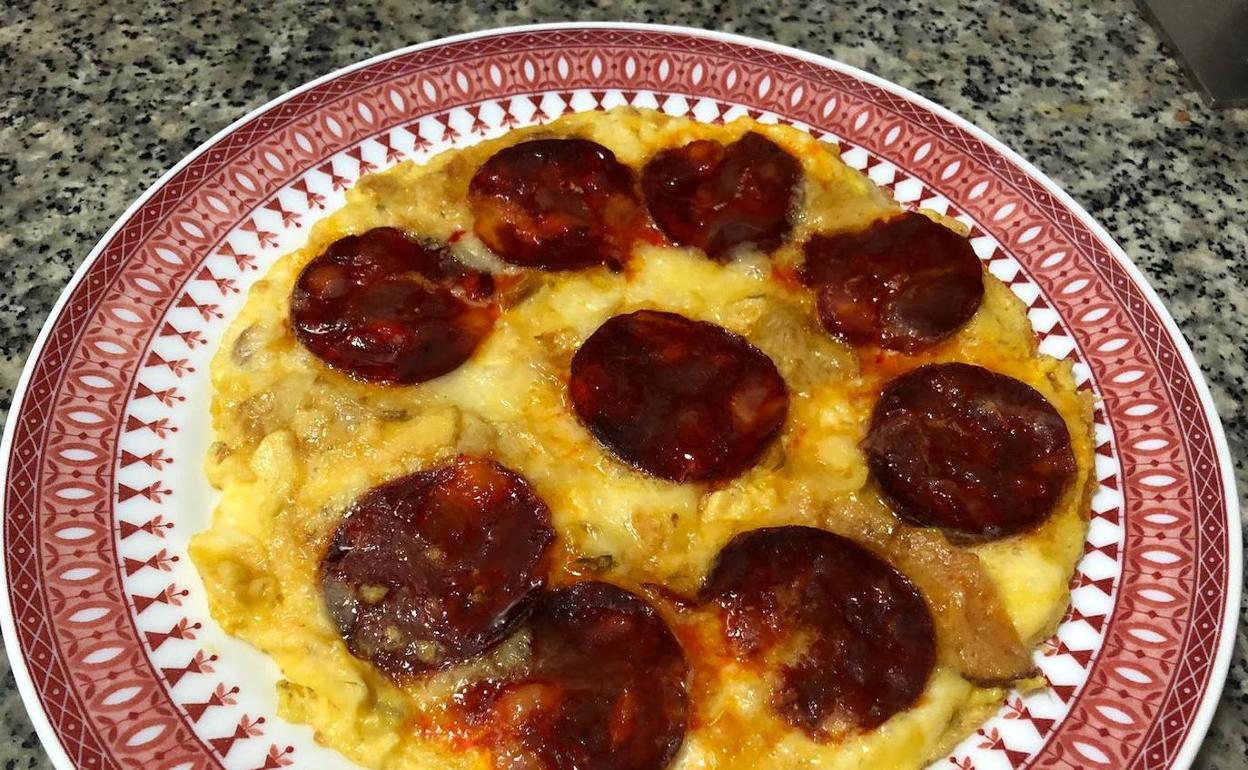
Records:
x=297, y=442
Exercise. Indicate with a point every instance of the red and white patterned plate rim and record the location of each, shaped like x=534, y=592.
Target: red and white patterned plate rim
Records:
x=1189, y=720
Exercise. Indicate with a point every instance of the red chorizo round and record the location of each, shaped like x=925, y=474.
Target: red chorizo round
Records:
x=603, y=688
x=852, y=638
x=433, y=568
x=382, y=307
x=716, y=197
x=976, y=453
x=680, y=399
x=903, y=283
x=557, y=204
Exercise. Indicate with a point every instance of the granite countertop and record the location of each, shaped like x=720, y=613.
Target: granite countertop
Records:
x=100, y=98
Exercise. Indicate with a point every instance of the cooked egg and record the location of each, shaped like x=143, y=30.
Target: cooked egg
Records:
x=296, y=442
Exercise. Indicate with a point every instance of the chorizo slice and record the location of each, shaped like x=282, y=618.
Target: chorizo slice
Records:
x=903, y=283
x=979, y=454
x=851, y=636
x=385, y=308
x=603, y=687
x=679, y=399
x=433, y=568
x=557, y=204
x=718, y=197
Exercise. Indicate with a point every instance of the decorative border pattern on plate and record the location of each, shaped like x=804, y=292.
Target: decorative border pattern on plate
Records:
x=112, y=360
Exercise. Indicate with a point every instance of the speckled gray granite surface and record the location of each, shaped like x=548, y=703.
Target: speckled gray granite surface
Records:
x=100, y=98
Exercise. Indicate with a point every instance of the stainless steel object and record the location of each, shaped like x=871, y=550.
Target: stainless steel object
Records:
x=1210, y=38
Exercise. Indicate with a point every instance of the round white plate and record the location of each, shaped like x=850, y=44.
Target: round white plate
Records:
x=104, y=616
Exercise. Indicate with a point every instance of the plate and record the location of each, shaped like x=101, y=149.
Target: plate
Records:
x=105, y=619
